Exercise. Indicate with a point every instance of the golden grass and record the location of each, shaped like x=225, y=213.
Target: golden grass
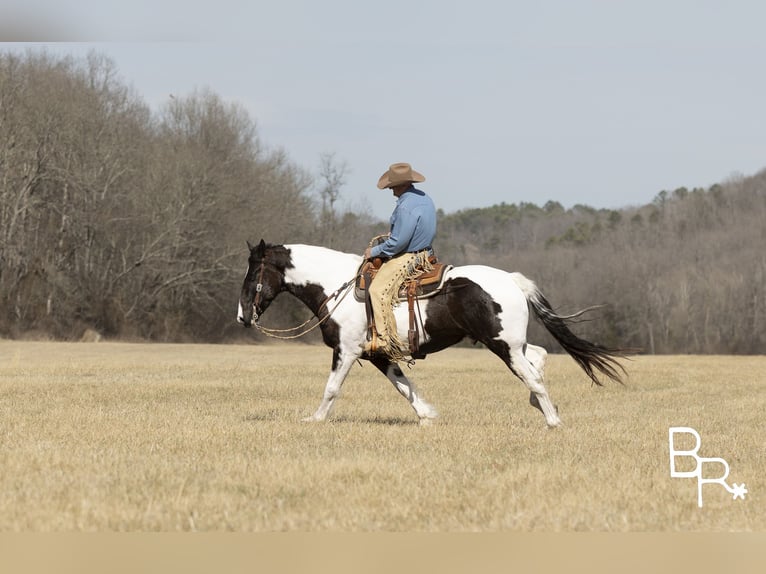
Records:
x=133, y=437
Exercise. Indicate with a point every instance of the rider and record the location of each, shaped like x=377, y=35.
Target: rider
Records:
x=407, y=248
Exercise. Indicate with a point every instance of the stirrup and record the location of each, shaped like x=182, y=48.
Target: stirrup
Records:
x=371, y=344
x=376, y=344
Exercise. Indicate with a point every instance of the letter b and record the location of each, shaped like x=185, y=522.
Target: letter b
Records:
x=680, y=453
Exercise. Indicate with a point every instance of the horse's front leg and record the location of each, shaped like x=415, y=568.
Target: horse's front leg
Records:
x=342, y=361
x=426, y=413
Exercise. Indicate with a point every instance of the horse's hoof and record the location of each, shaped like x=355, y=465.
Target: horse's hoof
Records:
x=310, y=419
x=426, y=422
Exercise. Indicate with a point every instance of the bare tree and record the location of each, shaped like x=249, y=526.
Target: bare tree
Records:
x=332, y=178
x=129, y=223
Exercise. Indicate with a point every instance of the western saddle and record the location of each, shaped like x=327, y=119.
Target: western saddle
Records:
x=424, y=285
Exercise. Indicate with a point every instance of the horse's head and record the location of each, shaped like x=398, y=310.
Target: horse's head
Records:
x=263, y=282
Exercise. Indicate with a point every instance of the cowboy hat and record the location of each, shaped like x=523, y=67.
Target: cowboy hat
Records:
x=398, y=174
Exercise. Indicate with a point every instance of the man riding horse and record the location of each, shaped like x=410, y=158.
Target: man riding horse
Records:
x=404, y=253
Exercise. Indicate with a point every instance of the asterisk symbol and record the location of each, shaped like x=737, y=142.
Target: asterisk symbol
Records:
x=739, y=491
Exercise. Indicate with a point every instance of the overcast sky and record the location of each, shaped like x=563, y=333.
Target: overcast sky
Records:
x=598, y=102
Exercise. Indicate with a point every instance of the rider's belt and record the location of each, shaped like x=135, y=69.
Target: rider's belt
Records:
x=384, y=259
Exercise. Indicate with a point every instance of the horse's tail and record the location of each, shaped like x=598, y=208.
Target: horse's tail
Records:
x=591, y=357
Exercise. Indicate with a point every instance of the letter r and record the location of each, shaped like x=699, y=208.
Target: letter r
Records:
x=720, y=480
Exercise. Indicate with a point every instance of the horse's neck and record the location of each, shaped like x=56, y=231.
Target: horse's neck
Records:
x=314, y=267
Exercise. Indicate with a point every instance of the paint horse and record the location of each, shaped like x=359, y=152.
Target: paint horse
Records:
x=482, y=303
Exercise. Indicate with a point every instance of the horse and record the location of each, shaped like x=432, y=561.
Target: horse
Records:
x=485, y=304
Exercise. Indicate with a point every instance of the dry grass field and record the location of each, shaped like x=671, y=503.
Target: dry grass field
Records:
x=134, y=437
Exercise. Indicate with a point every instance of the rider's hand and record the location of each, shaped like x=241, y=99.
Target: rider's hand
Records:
x=367, y=253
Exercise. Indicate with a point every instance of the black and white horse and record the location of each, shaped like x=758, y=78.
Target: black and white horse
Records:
x=487, y=305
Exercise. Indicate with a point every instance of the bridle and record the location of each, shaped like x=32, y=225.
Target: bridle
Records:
x=339, y=294
x=258, y=289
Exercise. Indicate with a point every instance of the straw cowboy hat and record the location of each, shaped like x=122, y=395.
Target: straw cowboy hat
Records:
x=398, y=174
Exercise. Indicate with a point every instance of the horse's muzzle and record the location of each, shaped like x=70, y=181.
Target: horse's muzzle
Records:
x=247, y=322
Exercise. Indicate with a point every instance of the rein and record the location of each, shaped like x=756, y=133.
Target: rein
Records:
x=277, y=333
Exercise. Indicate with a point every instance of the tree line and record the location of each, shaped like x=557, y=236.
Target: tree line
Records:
x=133, y=223
x=683, y=274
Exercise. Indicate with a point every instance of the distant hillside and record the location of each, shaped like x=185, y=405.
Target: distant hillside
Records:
x=684, y=274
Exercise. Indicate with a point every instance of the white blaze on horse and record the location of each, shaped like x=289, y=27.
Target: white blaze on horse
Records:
x=482, y=303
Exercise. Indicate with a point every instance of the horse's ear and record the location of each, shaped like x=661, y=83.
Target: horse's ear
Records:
x=260, y=249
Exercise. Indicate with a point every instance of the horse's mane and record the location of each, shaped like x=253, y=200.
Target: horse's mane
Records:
x=279, y=255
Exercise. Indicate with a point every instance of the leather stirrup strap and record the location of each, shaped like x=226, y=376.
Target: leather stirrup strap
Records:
x=371, y=332
x=412, y=333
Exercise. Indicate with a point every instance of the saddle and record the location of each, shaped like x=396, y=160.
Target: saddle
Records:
x=425, y=284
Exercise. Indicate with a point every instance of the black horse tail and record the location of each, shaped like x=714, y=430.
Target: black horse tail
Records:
x=591, y=357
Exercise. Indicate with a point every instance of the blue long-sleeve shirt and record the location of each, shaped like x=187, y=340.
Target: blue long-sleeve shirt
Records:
x=413, y=225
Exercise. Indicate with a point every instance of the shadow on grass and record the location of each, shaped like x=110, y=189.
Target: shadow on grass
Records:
x=377, y=420
x=264, y=416
x=274, y=415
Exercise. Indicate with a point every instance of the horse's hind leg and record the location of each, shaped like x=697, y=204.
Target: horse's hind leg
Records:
x=537, y=356
x=529, y=367
x=527, y=362
x=426, y=413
